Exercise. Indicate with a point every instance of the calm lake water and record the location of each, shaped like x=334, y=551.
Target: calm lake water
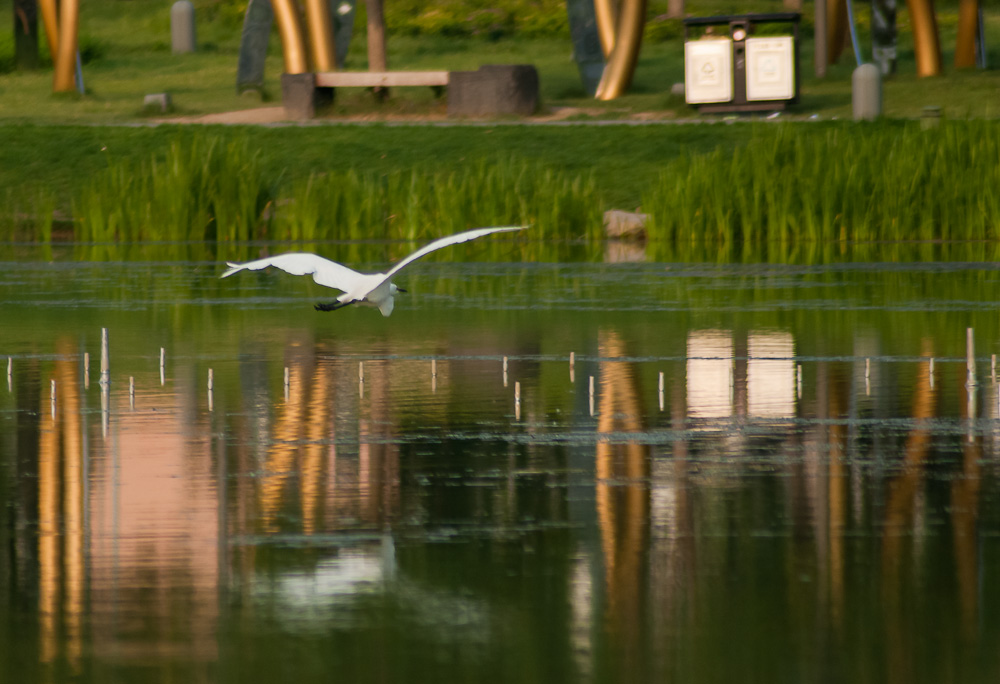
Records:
x=782, y=473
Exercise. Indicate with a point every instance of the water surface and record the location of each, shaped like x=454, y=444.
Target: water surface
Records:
x=812, y=495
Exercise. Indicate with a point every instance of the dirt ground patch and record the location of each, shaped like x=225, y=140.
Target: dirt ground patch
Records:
x=276, y=115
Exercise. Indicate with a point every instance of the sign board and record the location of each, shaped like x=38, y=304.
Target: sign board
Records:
x=708, y=70
x=770, y=64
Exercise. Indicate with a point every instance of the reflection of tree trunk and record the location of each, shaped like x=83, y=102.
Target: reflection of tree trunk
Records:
x=378, y=458
x=288, y=429
x=837, y=500
x=622, y=508
x=964, y=511
x=331, y=486
x=60, y=516
x=311, y=470
x=899, y=513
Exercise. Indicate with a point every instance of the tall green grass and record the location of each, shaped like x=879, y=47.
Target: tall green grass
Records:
x=788, y=186
x=862, y=183
x=206, y=191
x=421, y=204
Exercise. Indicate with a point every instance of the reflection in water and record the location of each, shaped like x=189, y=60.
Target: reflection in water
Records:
x=622, y=499
x=743, y=526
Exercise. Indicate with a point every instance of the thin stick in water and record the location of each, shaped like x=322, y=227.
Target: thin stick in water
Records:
x=105, y=362
x=970, y=355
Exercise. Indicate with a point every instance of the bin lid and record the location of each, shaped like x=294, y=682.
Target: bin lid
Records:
x=763, y=18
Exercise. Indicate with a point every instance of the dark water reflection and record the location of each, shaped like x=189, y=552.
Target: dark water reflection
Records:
x=805, y=500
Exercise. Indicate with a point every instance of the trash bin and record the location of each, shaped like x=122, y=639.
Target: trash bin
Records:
x=738, y=70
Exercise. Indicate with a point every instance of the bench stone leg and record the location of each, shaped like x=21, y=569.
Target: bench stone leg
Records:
x=301, y=97
x=493, y=90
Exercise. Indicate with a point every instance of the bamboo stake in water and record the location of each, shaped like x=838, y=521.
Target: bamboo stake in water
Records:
x=517, y=401
x=131, y=392
x=163, y=366
x=798, y=382
x=572, y=367
x=993, y=368
x=361, y=378
x=591, y=395
x=287, y=382
x=86, y=370
x=105, y=369
x=505, y=371
x=211, y=384
x=10, y=373
x=970, y=356
x=660, y=390
x=53, y=400
x=930, y=371
x=434, y=375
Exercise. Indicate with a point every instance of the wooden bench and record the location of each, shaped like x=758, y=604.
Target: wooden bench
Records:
x=381, y=79
x=491, y=90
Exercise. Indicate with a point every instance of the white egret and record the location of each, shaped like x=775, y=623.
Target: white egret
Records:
x=372, y=289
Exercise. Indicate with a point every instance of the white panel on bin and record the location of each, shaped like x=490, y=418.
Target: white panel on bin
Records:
x=708, y=70
x=770, y=68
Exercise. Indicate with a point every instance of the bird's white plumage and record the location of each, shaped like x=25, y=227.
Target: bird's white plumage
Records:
x=371, y=288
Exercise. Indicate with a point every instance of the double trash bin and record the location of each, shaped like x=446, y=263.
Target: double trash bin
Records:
x=741, y=62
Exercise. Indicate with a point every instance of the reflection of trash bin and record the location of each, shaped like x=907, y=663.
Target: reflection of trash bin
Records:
x=741, y=72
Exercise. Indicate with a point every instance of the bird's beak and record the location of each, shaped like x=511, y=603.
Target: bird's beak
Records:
x=399, y=289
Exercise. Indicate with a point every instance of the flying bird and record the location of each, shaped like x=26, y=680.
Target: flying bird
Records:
x=372, y=289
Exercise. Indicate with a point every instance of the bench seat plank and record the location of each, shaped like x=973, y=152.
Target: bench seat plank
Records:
x=373, y=79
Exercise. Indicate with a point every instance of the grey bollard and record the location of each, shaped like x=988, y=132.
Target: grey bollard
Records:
x=866, y=89
x=182, y=27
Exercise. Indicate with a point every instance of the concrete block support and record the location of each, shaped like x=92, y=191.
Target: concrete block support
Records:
x=494, y=90
x=301, y=97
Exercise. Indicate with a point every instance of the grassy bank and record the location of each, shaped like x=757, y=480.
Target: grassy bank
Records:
x=749, y=190
x=125, y=46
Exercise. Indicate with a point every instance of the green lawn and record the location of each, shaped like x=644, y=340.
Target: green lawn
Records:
x=127, y=52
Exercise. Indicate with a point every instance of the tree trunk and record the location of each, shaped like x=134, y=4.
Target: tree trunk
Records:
x=376, y=40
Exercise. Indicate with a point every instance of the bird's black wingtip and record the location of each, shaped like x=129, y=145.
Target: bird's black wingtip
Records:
x=332, y=306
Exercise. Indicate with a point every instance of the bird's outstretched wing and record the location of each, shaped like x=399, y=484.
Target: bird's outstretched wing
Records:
x=447, y=241
x=325, y=272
